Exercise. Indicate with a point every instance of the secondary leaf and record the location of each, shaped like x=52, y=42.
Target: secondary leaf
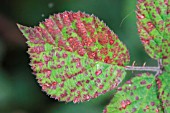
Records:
x=154, y=27
x=75, y=56
x=163, y=83
x=138, y=95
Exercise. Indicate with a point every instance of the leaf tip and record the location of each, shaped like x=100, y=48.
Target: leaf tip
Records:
x=140, y=1
x=24, y=29
x=21, y=27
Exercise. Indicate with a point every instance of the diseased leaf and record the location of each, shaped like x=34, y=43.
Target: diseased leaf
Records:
x=138, y=95
x=75, y=56
x=154, y=27
x=163, y=83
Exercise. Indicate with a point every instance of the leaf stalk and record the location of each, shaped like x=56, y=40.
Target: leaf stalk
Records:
x=157, y=69
x=139, y=68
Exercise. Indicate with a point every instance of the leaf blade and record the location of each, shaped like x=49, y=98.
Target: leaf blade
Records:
x=164, y=90
x=138, y=95
x=153, y=18
x=75, y=56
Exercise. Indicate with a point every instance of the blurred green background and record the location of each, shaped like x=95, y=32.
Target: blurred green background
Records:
x=19, y=91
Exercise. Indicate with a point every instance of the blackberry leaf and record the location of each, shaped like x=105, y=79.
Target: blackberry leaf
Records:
x=75, y=56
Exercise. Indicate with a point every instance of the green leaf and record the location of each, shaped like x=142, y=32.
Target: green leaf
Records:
x=75, y=56
x=138, y=95
x=164, y=90
x=154, y=27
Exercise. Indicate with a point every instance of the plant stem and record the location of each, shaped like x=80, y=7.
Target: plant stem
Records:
x=160, y=65
x=138, y=68
x=157, y=69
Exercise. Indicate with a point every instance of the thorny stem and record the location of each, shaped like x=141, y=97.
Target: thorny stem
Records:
x=157, y=69
x=159, y=72
x=138, y=68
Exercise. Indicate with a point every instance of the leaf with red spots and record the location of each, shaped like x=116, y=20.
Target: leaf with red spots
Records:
x=163, y=83
x=75, y=56
x=154, y=27
x=138, y=95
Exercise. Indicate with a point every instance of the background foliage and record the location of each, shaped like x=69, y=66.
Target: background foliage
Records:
x=19, y=91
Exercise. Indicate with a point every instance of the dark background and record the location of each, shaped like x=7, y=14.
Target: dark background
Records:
x=19, y=91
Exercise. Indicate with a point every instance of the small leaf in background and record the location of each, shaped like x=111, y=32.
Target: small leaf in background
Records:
x=154, y=27
x=75, y=56
x=138, y=95
x=163, y=83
